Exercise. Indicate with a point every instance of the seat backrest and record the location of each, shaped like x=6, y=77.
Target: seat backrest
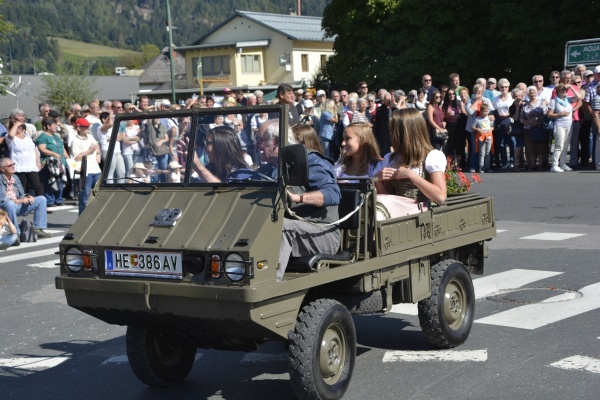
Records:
x=350, y=200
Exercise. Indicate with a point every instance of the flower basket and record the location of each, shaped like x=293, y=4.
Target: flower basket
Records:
x=456, y=180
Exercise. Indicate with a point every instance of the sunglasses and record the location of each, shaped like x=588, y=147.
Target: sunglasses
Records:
x=364, y=87
x=427, y=80
x=8, y=165
x=538, y=81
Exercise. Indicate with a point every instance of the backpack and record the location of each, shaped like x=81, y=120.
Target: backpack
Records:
x=27, y=231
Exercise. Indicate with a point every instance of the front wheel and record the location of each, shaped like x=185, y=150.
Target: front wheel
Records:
x=158, y=358
x=446, y=316
x=322, y=351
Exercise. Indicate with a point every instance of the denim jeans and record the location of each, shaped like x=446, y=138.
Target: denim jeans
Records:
x=38, y=207
x=52, y=196
x=10, y=239
x=84, y=195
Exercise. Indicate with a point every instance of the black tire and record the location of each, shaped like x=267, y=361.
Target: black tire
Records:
x=158, y=358
x=446, y=316
x=322, y=351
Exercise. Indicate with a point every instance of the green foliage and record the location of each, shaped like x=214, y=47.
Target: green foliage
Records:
x=63, y=90
x=5, y=29
x=126, y=24
x=392, y=43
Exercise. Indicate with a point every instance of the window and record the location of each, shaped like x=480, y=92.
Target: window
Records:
x=323, y=59
x=250, y=63
x=216, y=65
x=304, y=58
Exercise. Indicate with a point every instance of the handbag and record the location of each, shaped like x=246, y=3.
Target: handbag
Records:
x=159, y=150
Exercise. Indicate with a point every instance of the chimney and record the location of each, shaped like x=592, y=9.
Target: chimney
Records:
x=299, y=7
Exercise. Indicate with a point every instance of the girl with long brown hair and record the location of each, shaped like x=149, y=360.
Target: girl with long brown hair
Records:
x=414, y=170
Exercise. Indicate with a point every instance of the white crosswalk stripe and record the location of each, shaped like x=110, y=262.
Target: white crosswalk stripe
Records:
x=580, y=363
x=10, y=254
x=533, y=316
x=486, y=285
x=32, y=363
x=436, y=355
x=530, y=316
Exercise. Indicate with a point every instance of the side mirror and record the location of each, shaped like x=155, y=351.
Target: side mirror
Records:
x=294, y=165
x=82, y=173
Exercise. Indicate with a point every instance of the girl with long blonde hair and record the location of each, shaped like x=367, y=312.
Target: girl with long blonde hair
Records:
x=360, y=153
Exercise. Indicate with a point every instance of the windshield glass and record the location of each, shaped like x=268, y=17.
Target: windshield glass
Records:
x=231, y=145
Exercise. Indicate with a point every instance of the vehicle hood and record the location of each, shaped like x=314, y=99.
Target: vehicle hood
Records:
x=209, y=219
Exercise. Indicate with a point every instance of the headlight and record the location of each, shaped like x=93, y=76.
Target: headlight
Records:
x=235, y=267
x=74, y=259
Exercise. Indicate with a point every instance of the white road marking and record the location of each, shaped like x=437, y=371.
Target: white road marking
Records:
x=533, y=316
x=39, y=243
x=554, y=236
x=62, y=208
x=33, y=254
x=116, y=360
x=32, y=363
x=264, y=357
x=579, y=363
x=500, y=230
x=122, y=359
x=436, y=355
x=513, y=278
x=47, y=264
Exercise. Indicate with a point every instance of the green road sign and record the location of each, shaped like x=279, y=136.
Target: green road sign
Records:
x=583, y=53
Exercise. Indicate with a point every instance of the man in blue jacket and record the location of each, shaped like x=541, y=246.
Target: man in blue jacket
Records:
x=15, y=202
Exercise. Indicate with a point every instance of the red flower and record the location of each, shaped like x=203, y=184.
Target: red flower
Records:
x=476, y=178
x=463, y=178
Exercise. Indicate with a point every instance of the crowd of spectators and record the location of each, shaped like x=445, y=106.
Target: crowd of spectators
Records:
x=489, y=126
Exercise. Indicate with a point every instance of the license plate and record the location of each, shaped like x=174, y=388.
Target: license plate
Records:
x=143, y=264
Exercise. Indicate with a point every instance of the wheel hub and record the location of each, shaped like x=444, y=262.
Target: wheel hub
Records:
x=332, y=354
x=454, y=304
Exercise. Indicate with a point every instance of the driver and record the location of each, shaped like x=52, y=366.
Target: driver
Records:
x=224, y=154
x=316, y=203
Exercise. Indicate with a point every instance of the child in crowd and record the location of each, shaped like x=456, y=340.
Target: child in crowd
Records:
x=175, y=174
x=8, y=231
x=483, y=137
x=139, y=174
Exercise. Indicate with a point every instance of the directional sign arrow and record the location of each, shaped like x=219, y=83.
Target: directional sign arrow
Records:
x=575, y=53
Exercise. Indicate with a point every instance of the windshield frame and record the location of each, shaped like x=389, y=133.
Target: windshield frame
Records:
x=196, y=115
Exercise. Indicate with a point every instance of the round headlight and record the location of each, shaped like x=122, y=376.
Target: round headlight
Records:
x=74, y=259
x=235, y=267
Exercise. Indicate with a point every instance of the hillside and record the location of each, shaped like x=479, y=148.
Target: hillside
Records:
x=123, y=24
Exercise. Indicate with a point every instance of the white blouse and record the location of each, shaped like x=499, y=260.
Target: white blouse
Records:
x=434, y=162
x=23, y=153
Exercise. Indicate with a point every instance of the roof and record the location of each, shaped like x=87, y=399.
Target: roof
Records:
x=296, y=27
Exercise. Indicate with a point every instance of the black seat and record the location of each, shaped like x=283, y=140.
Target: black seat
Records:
x=348, y=203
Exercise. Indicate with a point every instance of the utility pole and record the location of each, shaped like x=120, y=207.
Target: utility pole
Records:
x=171, y=54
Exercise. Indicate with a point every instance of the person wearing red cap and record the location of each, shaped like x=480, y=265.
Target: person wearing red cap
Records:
x=84, y=145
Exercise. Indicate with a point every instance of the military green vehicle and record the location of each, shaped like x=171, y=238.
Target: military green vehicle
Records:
x=188, y=264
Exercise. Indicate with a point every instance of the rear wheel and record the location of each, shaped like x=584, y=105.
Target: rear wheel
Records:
x=322, y=351
x=158, y=358
x=446, y=316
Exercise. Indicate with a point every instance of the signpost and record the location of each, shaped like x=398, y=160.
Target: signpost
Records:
x=585, y=52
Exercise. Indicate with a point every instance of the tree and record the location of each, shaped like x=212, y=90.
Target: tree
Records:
x=392, y=43
x=63, y=90
x=5, y=29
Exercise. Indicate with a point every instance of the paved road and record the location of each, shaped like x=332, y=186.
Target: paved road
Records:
x=536, y=333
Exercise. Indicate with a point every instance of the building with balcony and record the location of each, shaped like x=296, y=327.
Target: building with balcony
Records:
x=254, y=50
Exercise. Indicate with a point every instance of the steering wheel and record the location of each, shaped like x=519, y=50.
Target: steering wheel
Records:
x=248, y=175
